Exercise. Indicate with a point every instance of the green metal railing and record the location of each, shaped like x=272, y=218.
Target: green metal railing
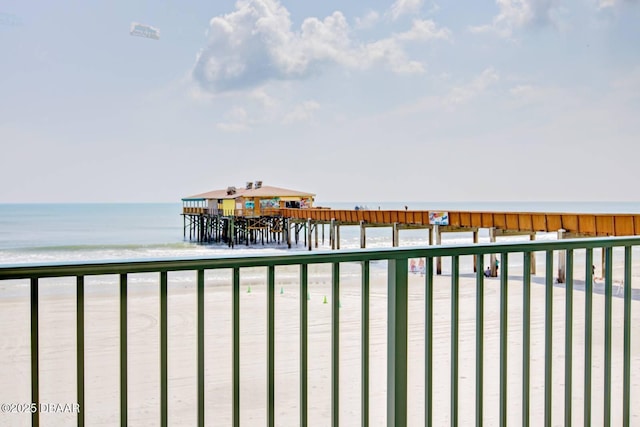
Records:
x=397, y=302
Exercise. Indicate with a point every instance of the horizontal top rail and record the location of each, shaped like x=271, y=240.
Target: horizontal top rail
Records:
x=62, y=269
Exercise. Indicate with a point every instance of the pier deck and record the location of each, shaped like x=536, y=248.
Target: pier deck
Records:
x=577, y=224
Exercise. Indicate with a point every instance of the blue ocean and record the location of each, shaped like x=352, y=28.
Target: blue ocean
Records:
x=32, y=233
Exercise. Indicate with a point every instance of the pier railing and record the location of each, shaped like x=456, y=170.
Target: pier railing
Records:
x=397, y=364
x=231, y=212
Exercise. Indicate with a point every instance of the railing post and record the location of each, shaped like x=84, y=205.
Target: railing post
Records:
x=436, y=232
x=626, y=366
x=164, y=359
x=235, y=314
x=428, y=343
x=532, y=237
x=80, y=347
x=455, y=327
x=271, y=346
x=123, y=351
x=548, y=339
x=479, y=340
x=395, y=238
x=562, y=257
x=332, y=233
x=493, y=265
x=504, y=330
x=475, y=257
x=335, y=345
x=365, y=344
x=568, y=345
x=608, y=295
x=588, y=334
x=526, y=337
x=201, y=342
x=397, y=343
x=35, y=371
x=304, y=288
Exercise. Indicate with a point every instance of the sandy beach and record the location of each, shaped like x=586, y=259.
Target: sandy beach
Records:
x=57, y=351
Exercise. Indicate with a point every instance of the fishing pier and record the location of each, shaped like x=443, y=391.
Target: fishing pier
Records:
x=258, y=214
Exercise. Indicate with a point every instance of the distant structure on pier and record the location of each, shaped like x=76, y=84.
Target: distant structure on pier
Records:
x=241, y=214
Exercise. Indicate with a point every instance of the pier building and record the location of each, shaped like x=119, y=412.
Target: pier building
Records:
x=248, y=214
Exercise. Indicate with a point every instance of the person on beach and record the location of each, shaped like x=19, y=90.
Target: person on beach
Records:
x=487, y=272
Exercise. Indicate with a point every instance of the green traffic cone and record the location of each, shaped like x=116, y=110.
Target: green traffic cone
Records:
x=281, y=290
x=249, y=290
x=324, y=301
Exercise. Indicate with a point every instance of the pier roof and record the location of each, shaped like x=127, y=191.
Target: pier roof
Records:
x=263, y=191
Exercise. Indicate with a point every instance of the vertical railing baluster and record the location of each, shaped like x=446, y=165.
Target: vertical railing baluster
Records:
x=588, y=334
x=397, y=342
x=608, y=297
x=428, y=342
x=455, y=303
x=271, y=367
x=35, y=359
x=627, y=339
x=526, y=338
x=80, y=348
x=164, y=380
x=504, y=287
x=201, y=382
x=123, y=352
x=548, y=339
x=304, y=310
x=479, y=339
x=236, y=346
x=335, y=345
x=568, y=343
x=365, y=345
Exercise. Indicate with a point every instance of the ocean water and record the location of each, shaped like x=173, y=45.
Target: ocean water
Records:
x=45, y=233
x=32, y=233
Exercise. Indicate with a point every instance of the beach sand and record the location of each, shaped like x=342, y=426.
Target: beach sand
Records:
x=57, y=351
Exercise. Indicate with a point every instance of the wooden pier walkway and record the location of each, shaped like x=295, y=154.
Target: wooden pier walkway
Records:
x=566, y=225
x=574, y=224
x=287, y=224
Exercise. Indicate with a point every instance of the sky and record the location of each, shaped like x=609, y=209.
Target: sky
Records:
x=397, y=100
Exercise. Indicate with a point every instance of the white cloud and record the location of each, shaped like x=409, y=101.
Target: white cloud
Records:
x=425, y=29
x=522, y=91
x=236, y=120
x=610, y=4
x=606, y=3
x=405, y=7
x=368, y=20
x=256, y=44
x=463, y=94
x=516, y=14
x=263, y=98
x=302, y=112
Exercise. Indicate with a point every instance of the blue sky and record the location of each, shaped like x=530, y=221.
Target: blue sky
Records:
x=372, y=101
